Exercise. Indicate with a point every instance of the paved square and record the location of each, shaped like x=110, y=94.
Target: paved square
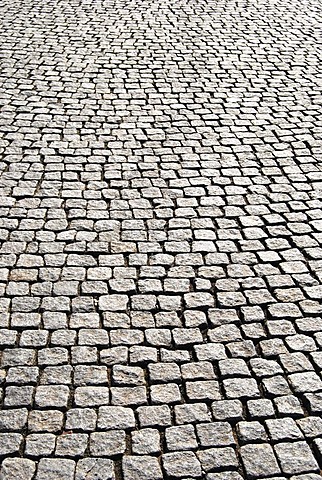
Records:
x=160, y=240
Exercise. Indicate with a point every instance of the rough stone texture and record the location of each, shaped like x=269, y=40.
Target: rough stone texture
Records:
x=296, y=458
x=160, y=240
x=259, y=460
x=141, y=468
x=14, y=468
x=93, y=468
x=181, y=464
x=52, y=468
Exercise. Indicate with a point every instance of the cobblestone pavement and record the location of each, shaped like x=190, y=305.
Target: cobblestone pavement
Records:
x=161, y=230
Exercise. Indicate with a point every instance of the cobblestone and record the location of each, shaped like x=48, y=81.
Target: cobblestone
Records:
x=160, y=240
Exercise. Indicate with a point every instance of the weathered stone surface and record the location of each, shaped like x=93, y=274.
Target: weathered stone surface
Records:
x=160, y=240
x=104, y=444
x=93, y=468
x=259, y=460
x=141, y=468
x=181, y=464
x=55, y=468
x=13, y=468
x=296, y=458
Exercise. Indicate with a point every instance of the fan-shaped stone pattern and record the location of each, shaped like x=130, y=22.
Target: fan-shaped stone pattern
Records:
x=161, y=229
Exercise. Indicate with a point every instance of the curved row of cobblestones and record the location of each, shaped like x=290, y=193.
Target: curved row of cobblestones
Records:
x=161, y=229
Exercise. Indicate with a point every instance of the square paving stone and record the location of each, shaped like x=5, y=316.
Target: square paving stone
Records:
x=310, y=426
x=182, y=437
x=146, y=441
x=217, y=458
x=106, y=444
x=92, y=396
x=81, y=419
x=249, y=432
x=210, y=352
x=181, y=465
x=40, y=444
x=141, y=468
x=215, y=434
x=241, y=388
x=259, y=460
x=154, y=416
x=55, y=469
x=17, y=468
x=231, y=410
x=13, y=419
x=283, y=429
x=52, y=396
x=94, y=469
x=71, y=445
x=305, y=382
x=203, y=390
x=10, y=443
x=296, y=458
x=191, y=413
x=261, y=408
x=168, y=394
x=115, y=418
x=313, y=403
